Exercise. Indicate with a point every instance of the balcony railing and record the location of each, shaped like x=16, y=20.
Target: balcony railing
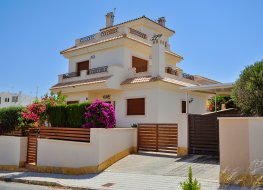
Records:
x=109, y=31
x=89, y=72
x=97, y=70
x=70, y=75
x=188, y=76
x=138, y=33
x=171, y=71
x=87, y=38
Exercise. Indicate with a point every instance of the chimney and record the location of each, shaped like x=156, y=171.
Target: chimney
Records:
x=161, y=21
x=109, y=19
x=158, y=56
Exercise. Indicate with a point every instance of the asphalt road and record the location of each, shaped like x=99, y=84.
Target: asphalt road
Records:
x=21, y=186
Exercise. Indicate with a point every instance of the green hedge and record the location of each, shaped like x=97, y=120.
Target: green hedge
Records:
x=67, y=115
x=9, y=118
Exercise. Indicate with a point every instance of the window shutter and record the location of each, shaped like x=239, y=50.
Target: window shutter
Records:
x=72, y=102
x=140, y=64
x=136, y=106
x=183, y=106
x=82, y=66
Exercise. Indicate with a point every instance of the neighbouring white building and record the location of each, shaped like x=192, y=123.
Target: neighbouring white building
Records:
x=8, y=99
x=132, y=66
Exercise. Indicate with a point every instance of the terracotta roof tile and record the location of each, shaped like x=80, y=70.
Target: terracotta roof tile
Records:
x=135, y=20
x=91, y=44
x=80, y=82
x=145, y=79
x=136, y=80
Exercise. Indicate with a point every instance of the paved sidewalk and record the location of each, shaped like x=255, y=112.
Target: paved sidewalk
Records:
x=108, y=180
x=136, y=171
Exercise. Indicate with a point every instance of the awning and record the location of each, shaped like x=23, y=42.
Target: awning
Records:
x=218, y=89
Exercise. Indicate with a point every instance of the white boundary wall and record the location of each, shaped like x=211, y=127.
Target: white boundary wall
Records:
x=13, y=150
x=241, y=144
x=183, y=130
x=104, y=144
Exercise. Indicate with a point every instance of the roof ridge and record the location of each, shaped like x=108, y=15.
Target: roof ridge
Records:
x=143, y=16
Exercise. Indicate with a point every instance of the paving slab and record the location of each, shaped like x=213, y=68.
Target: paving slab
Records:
x=137, y=171
x=204, y=167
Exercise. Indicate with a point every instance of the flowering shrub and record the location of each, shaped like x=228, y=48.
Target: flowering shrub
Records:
x=100, y=115
x=33, y=115
x=53, y=99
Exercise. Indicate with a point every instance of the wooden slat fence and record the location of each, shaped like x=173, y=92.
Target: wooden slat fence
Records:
x=67, y=134
x=158, y=137
x=33, y=134
x=204, y=131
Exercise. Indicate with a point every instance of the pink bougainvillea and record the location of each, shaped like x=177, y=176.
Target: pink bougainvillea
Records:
x=34, y=113
x=100, y=115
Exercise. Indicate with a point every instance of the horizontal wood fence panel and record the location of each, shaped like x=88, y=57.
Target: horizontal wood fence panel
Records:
x=33, y=134
x=68, y=134
x=158, y=137
x=204, y=132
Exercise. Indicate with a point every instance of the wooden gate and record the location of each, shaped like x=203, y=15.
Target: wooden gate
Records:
x=157, y=137
x=33, y=134
x=204, y=131
x=203, y=134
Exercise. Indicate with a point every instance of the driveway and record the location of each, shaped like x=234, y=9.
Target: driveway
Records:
x=204, y=167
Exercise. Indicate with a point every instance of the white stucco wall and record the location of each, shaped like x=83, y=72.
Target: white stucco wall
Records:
x=23, y=99
x=162, y=103
x=182, y=130
x=113, y=141
x=104, y=143
x=102, y=58
x=13, y=150
x=241, y=144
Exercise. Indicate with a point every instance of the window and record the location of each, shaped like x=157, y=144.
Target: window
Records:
x=140, y=64
x=136, y=106
x=6, y=99
x=72, y=102
x=183, y=106
x=82, y=66
x=14, y=98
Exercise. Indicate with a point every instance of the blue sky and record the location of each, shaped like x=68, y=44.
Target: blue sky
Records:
x=216, y=38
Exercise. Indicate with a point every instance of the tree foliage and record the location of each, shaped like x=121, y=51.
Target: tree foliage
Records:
x=9, y=118
x=248, y=90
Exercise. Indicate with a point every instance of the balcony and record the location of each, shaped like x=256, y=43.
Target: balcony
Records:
x=171, y=71
x=97, y=70
x=188, y=76
x=112, y=32
x=84, y=74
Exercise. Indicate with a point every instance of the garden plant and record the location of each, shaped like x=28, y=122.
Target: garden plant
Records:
x=100, y=115
x=248, y=90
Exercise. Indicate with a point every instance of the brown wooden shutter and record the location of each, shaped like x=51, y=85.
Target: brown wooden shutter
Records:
x=72, y=102
x=140, y=64
x=136, y=106
x=82, y=66
x=183, y=106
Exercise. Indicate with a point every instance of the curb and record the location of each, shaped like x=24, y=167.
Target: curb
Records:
x=41, y=183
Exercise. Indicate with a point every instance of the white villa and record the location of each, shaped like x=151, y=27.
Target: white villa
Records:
x=8, y=99
x=132, y=66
